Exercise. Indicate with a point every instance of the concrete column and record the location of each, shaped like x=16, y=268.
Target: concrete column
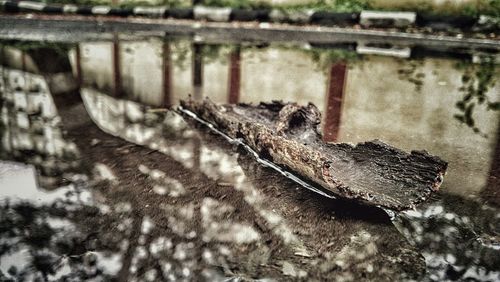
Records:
x=335, y=94
x=23, y=60
x=197, y=70
x=78, y=65
x=234, y=76
x=492, y=190
x=167, y=75
x=117, y=78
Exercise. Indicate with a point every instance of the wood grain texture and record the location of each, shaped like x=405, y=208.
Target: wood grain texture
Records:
x=288, y=134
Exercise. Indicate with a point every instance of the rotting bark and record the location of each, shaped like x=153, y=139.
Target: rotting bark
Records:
x=288, y=134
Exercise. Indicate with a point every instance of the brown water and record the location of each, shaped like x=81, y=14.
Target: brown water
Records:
x=98, y=180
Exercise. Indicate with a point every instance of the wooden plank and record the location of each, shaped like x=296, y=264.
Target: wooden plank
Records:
x=287, y=134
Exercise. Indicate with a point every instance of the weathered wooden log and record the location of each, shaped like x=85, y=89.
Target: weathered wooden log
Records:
x=288, y=135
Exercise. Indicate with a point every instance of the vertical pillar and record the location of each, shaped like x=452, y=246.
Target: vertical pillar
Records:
x=197, y=70
x=117, y=78
x=78, y=63
x=234, y=76
x=167, y=75
x=23, y=60
x=492, y=190
x=335, y=94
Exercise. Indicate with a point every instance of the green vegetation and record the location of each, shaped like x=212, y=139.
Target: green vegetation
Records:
x=476, y=81
x=238, y=4
x=124, y=4
x=325, y=58
x=27, y=46
x=326, y=5
x=466, y=8
x=408, y=72
x=330, y=5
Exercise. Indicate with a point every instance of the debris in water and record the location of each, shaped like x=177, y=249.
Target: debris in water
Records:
x=288, y=135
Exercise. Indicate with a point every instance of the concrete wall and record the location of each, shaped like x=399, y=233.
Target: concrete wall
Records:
x=97, y=64
x=377, y=104
x=215, y=78
x=182, y=76
x=279, y=74
x=142, y=70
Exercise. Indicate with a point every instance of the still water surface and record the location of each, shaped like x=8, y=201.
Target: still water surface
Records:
x=98, y=180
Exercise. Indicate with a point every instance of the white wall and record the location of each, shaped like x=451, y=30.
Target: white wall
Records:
x=142, y=71
x=97, y=64
x=275, y=74
x=377, y=104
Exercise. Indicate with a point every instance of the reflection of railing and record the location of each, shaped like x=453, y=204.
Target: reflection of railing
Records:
x=383, y=50
x=311, y=15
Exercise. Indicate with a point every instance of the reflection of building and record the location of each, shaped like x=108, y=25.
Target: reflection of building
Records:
x=30, y=125
x=44, y=61
x=410, y=104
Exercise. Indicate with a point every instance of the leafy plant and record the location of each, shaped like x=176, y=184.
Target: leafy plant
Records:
x=476, y=80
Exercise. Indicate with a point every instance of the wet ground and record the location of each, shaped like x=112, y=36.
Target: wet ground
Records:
x=100, y=180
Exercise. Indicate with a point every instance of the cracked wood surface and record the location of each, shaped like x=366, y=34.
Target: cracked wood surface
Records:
x=288, y=134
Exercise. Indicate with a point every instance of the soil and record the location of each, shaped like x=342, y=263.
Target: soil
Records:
x=314, y=238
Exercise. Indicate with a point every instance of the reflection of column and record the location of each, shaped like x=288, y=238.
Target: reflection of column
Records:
x=196, y=154
x=492, y=189
x=117, y=78
x=197, y=70
x=336, y=86
x=234, y=76
x=23, y=61
x=167, y=75
x=78, y=62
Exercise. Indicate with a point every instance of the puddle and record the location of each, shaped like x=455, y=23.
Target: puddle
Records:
x=98, y=180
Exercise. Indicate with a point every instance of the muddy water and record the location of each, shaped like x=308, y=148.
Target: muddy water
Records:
x=99, y=180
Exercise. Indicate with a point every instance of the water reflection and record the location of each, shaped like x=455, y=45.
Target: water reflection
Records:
x=184, y=206
x=31, y=128
x=126, y=190
x=408, y=103
x=278, y=225
x=459, y=238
